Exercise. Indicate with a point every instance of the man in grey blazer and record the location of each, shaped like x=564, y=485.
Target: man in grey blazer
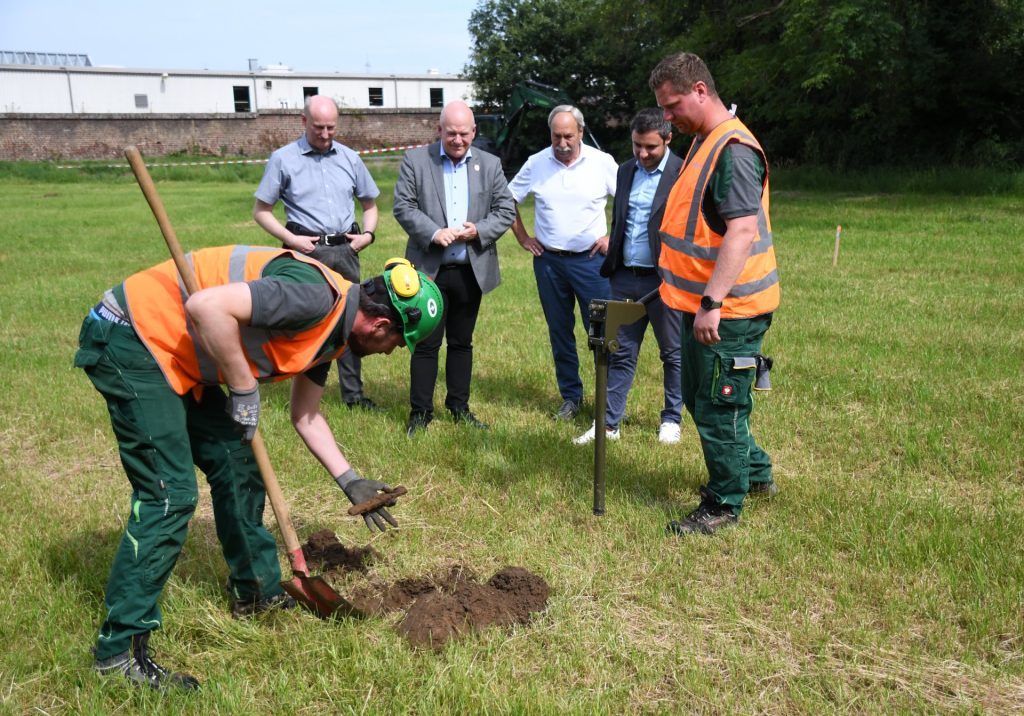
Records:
x=642, y=188
x=454, y=204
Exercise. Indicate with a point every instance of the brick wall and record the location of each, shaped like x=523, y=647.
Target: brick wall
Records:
x=35, y=137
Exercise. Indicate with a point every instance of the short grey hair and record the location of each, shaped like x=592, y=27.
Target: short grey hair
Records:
x=576, y=114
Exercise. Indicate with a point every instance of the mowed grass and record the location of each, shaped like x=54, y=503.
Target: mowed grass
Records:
x=886, y=577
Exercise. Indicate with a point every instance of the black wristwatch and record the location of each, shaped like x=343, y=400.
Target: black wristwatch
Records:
x=709, y=304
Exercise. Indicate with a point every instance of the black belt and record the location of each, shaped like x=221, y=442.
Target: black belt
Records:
x=322, y=239
x=563, y=252
x=333, y=240
x=454, y=266
x=640, y=270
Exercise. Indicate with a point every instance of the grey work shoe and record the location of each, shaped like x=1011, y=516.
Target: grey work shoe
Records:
x=568, y=411
x=243, y=608
x=763, y=489
x=707, y=519
x=138, y=667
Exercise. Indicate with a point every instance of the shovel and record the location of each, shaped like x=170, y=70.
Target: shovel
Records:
x=312, y=592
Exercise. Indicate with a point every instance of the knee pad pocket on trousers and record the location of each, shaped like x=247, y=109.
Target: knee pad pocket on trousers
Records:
x=161, y=535
x=732, y=381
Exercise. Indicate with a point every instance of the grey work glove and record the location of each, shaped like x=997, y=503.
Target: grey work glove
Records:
x=244, y=409
x=358, y=489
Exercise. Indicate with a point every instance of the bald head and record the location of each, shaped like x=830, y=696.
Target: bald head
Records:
x=456, y=129
x=320, y=120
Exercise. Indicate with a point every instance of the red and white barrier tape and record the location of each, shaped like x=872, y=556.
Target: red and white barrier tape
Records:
x=237, y=161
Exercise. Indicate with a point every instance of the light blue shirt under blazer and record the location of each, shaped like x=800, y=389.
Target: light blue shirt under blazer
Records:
x=456, y=203
x=636, y=249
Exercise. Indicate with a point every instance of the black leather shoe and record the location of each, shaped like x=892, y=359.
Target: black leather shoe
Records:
x=364, y=403
x=466, y=417
x=568, y=411
x=417, y=422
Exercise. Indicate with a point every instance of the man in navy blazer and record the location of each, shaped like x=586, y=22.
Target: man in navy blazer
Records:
x=454, y=204
x=642, y=188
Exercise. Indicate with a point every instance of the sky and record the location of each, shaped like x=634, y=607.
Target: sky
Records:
x=403, y=37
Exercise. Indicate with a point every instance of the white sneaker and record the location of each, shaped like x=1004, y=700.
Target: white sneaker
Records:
x=668, y=433
x=588, y=437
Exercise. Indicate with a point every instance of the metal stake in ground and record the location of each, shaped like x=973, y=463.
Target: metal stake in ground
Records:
x=312, y=592
x=606, y=317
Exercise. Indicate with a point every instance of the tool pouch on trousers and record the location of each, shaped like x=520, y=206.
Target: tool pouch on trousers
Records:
x=732, y=380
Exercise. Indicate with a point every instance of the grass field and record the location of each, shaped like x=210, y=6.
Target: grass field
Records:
x=886, y=577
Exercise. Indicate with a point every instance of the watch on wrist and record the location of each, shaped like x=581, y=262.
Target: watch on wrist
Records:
x=373, y=236
x=709, y=304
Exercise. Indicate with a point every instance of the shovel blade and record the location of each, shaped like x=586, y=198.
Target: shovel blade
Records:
x=318, y=597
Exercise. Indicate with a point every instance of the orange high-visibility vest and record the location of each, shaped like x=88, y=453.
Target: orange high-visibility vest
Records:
x=156, y=303
x=689, y=246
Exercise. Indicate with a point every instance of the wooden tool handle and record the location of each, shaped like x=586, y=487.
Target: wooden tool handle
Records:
x=385, y=499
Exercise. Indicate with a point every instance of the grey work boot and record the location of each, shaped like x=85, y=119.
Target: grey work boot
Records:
x=242, y=608
x=139, y=668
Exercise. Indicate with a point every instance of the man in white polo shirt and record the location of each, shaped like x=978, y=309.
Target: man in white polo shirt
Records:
x=571, y=183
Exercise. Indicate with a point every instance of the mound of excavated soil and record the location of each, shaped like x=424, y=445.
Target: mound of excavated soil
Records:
x=509, y=597
x=436, y=608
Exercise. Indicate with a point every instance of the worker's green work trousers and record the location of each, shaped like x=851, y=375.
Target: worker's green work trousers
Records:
x=162, y=436
x=718, y=393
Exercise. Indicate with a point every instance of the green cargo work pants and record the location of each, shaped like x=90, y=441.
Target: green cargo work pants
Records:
x=718, y=393
x=162, y=437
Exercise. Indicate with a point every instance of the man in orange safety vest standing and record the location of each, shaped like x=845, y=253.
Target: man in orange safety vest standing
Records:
x=717, y=267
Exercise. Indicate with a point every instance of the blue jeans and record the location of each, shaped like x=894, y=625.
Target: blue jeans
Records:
x=561, y=281
x=667, y=324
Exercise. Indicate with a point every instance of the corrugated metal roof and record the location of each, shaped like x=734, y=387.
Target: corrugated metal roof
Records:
x=53, y=59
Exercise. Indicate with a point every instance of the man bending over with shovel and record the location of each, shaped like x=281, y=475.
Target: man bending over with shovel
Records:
x=159, y=357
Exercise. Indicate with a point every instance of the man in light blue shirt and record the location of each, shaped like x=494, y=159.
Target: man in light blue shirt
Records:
x=318, y=179
x=642, y=188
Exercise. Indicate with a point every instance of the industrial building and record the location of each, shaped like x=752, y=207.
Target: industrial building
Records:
x=57, y=83
x=60, y=106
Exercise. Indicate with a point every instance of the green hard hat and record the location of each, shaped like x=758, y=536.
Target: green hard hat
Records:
x=415, y=297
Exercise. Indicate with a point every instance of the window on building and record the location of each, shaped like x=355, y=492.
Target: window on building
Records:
x=242, y=98
x=376, y=96
x=308, y=92
x=437, y=96
x=142, y=101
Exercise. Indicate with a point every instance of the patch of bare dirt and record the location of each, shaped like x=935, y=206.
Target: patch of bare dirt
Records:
x=325, y=554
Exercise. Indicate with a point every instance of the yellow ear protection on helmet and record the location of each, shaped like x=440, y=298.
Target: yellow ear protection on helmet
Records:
x=414, y=296
x=403, y=282
x=403, y=279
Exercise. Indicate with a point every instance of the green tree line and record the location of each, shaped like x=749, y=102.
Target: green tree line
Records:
x=841, y=83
